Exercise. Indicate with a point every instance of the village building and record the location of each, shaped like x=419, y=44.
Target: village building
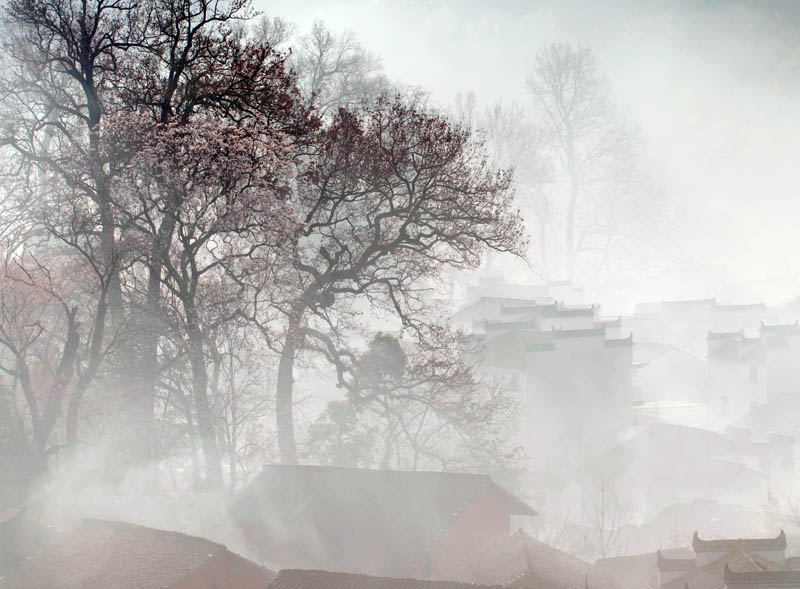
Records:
x=20, y=535
x=316, y=579
x=747, y=372
x=574, y=380
x=667, y=464
x=716, y=563
x=378, y=522
x=101, y=554
x=736, y=374
x=524, y=562
x=760, y=579
x=684, y=323
x=669, y=385
x=637, y=571
x=781, y=343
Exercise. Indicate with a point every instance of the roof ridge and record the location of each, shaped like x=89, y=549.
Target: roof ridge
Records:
x=733, y=544
x=142, y=529
x=442, y=473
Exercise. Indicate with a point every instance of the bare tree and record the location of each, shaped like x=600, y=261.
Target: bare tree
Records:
x=92, y=90
x=413, y=408
x=275, y=31
x=606, y=517
x=592, y=143
x=336, y=71
x=394, y=196
x=516, y=141
x=46, y=350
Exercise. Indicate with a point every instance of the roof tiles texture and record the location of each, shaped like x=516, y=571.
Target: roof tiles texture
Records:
x=711, y=576
x=370, y=521
x=313, y=579
x=741, y=544
x=523, y=561
x=103, y=554
x=760, y=578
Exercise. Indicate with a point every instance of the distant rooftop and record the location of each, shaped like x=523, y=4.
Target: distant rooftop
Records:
x=740, y=544
x=790, y=578
x=315, y=579
x=371, y=521
x=100, y=554
x=673, y=564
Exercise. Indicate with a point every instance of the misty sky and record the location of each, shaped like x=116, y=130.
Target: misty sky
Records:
x=714, y=85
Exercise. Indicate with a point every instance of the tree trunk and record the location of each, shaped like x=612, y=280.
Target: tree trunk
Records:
x=146, y=373
x=287, y=445
x=572, y=172
x=205, y=419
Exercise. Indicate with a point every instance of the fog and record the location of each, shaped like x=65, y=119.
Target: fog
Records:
x=345, y=292
x=712, y=84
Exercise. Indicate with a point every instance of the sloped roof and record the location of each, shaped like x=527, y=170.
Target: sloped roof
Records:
x=588, y=332
x=711, y=576
x=729, y=520
x=100, y=554
x=716, y=335
x=523, y=561
x=743, y=544
x=673, y=564
x=20, y=534
x=372, y=521
x=777, y=415
x=316, y=579
x=508, y=349
x=760, y=578
x=736, y=307
x=637, y=571
x=781, y=328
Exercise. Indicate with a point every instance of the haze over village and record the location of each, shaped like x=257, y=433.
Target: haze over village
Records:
x=430, y=294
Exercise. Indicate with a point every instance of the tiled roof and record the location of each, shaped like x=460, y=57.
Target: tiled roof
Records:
x=523, y=561
x=611, y=321
x=716, y=335
x=673, y=564
x=741, y=307
x=744, y=544
x=760, y=578
x=315, y=579
x=710, y=576
x=637, y=571
x=689, y=303
x=371, y=521
x=590, y=332
x=781, y=328
x=101, y=554
x=622, y=342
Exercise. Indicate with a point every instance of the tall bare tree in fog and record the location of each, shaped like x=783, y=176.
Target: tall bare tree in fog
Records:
x=62, y=66
x=394, y=195
x=90, y=91
x=595, y=147
x=516, y=141
x=606, y=517
x=335, y=70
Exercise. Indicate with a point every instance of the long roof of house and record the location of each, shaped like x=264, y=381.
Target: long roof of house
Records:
x=317, y=579
x=637, y=570
x=673, y=564
x=743, y=544
x=780, y=328
x=371, y=521
x=760, y=578
x=522, y=561
x=100, y=554
x=711, y=576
